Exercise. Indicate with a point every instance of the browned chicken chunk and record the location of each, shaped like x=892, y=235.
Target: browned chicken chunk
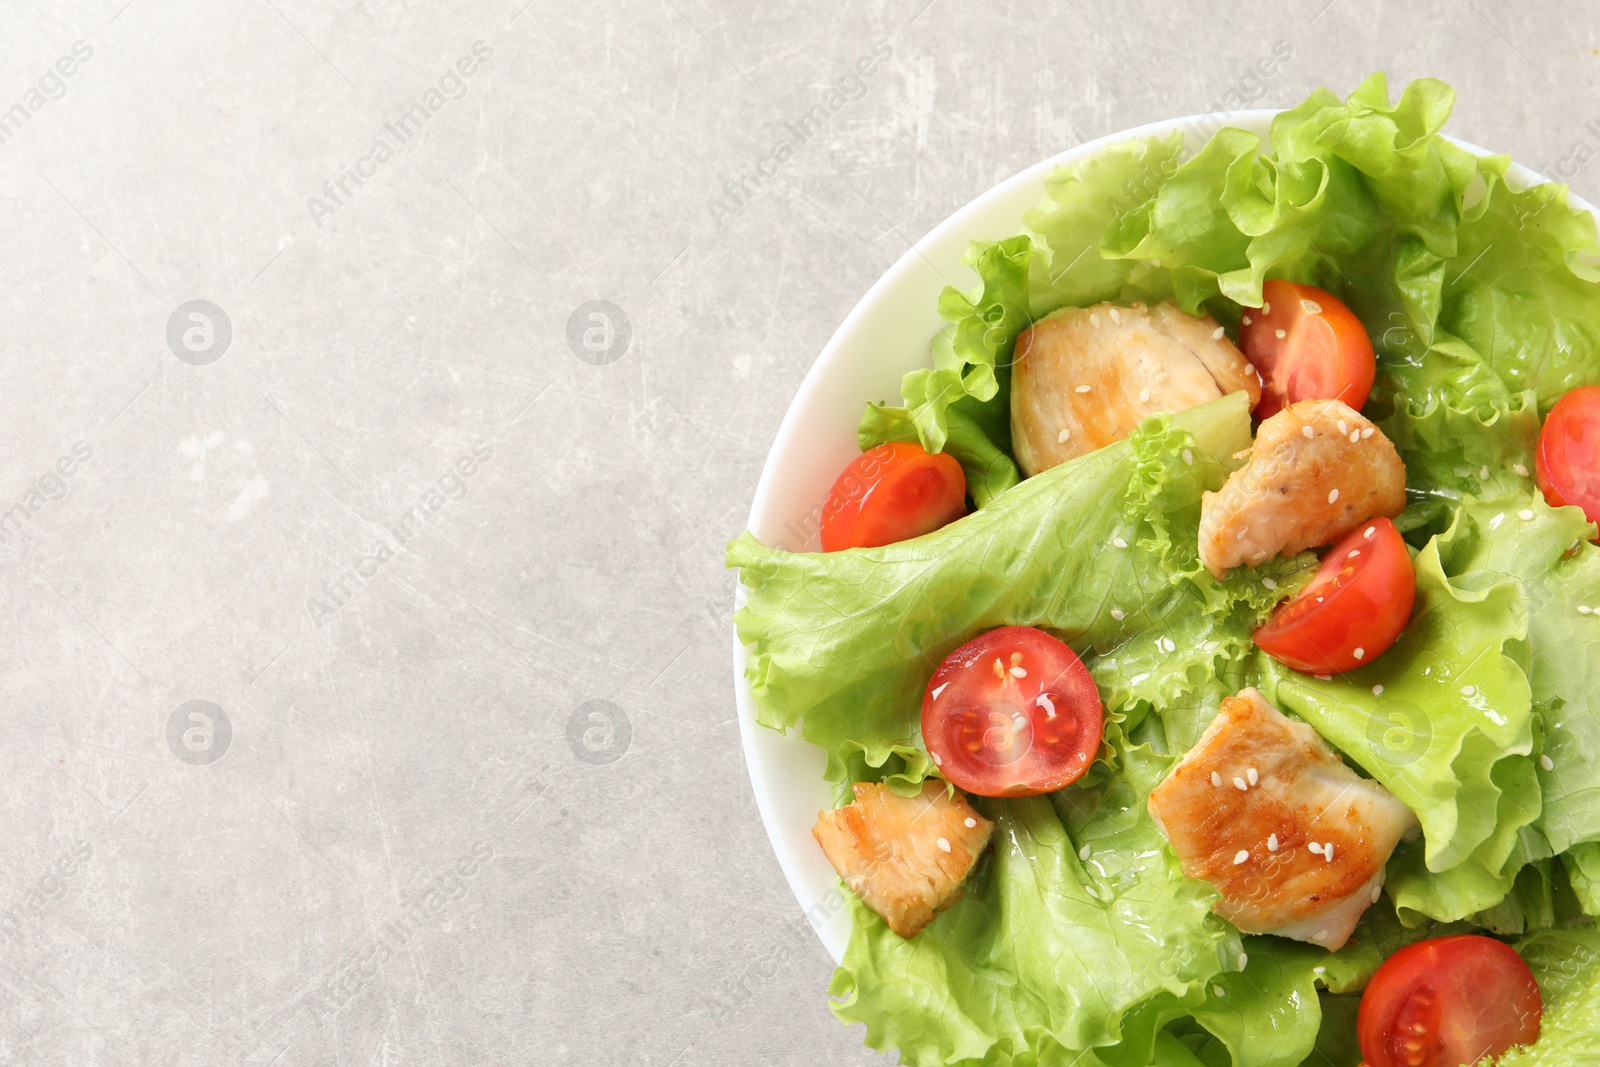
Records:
x=1293, y=839
x=1085, y=377
x=1317, y=471
x=904, y=856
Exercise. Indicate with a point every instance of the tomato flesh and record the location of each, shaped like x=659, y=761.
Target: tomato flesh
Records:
x=1013, y=713
x=890, y=493
x=1448, y=1002
x=1353, y=609
x=1568, y=463
x=1307, y=345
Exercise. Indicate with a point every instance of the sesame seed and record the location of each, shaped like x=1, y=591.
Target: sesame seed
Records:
x=1188, y=458
x=1155, y=263
x=1584, y=609
x=1319, y=970
x=1116, y=315
x=1353, y=554
x=1081, y=389
x=1257, y=557
x=1136, y=679
x=1118, y=614
x=1019, y=672
x=1547, y=763
x=1344, y=427
x=1377, y=690
x=1521, y=471
x=1333, y=495
x=1241, y=856
x=1483, y=473
x=1083, y=853
x=1119, y=542
x=1469, y=690
x=1322, y=677
x=1241, y=785
x=1144, y=396
x=1320, y=935
x=937, y=762
x=1316, y=849
x=1327, y=851
x=1280, y=334
x=1219, y=992
x=1063, y=437
x=1308, y=432
x=1091, y=891
x=1311, y=307
x=972, y=824
x=1368, y=432
x=1377, y=891
x=1253, y=776
x=1369, y=532
x=1216, y=779
x=1355, y=436
x=1244, y=960
x=1247, y=320
x=1094, y=320
x=1169, y=644
x=1266, y=308
x=1525, y=514
x=1272, y=843
x=1216, y=335
x=1242, y=531
x=1269, y=583
x=1359, y=653
x=944, y=846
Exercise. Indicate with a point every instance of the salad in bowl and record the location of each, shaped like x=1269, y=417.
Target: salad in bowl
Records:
x=1204, y=654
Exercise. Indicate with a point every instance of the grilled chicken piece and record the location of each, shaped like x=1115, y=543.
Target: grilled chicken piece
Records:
x=904, y=856
x=1085, y=377
x=1317, y=471
x=1293, y=839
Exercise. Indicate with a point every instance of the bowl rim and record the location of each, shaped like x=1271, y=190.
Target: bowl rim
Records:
x=832, y=925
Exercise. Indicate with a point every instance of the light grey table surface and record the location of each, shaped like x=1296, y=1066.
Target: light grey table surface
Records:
x=375, y=510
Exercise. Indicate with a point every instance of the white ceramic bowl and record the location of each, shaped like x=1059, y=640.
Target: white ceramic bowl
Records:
x=885, y=336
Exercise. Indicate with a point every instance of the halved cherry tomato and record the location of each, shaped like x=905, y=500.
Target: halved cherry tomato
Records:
x=1568, y=467
x=1354, y=608
x=1307, y=346
x=892, y=493
x=1013, y=713
x=1448, y=1002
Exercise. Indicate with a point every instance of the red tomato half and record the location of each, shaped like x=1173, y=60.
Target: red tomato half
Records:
x=1354, y=608
x=1569, y=452
x=892, y=493
x=1013, y=713
x=1448, y=1002
x=1307, y=346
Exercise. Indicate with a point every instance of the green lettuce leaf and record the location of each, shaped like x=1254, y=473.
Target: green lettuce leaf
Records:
x=1494, y=541
x=1073, y=889
x=1566, y=964
x=1450, y=732
x=843, y=643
